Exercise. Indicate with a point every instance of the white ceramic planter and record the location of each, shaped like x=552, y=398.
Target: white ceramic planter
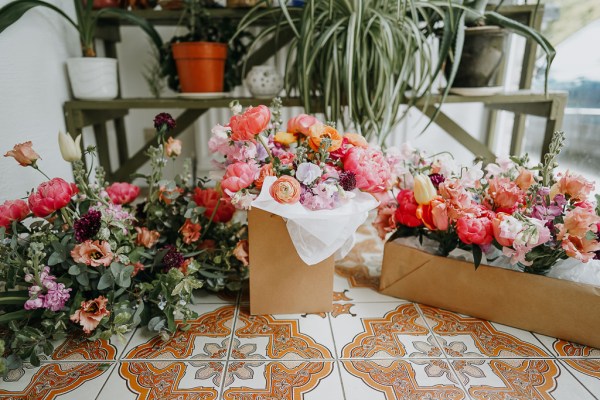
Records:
x=264, y=81
x=93, y=78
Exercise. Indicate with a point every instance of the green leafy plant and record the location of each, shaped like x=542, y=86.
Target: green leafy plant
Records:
x=87, y=20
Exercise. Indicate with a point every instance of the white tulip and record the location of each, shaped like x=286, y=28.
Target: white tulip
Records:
x=69, y=148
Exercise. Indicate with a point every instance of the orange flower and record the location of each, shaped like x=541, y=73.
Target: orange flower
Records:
x=190, y=232
x=241, y=252
x=146, y=237
x=91, y=313
x=173, y=147
x=286, y=190
x=137, y=268
x=572, y=185
x=578, y=222
x=525, y=179
x=164, y=194
x=285, y=138
x=94, y=253
x=184, y=267
x=318, y=132
x=356, y=140
x=24, y=154
x=583, y=250
x=265, y=170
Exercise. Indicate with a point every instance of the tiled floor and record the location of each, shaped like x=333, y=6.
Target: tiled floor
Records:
x=370, y=347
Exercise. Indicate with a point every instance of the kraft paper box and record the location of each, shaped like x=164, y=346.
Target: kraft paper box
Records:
x=280, y=282
x=554, y=307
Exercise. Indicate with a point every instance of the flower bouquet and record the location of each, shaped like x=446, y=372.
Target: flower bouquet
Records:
x=443, y=218
x=81, y=258
x=318, y=180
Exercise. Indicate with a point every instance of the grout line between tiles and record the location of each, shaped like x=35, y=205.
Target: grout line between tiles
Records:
x=127, y=344
x=229, y=348
x=336, y=356
x=448, y=360
x=114, y=368
x=568, y=369
x=552, y=353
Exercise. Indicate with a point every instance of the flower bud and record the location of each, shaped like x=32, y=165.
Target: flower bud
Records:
x=69, y=149
x=424, y=189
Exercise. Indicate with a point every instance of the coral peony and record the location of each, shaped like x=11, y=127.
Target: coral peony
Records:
x=91, y=313
x=286, y=190
x=241, y=252
x=173, y=147
x=370, y=167
x=238, y=176
x=51, y=196
x=406, y=213
x=24, y=154
x=265, y=170
x=93, y=253
x=475, y=230
x=209, y=199
x=505, y=194
x=190, y=232
x=146, y=237
x=575, y=186
x=357, y=140
x=122, y=192
x=12, y=210
x=301, y=124
x=249, y=124
x=319, y=132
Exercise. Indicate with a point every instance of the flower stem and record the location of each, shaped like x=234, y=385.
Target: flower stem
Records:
x=261, y=139
x=40, y=171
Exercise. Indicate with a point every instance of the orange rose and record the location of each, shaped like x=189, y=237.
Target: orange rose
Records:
x=190, y=232
x=91, y=313
x=356, y=140
x=241, y=252
x=93, y=253
x=24, y=154
x=318, y=132
x=265, y=170
x=286, y=190
x=173, y=147
x=146, y=237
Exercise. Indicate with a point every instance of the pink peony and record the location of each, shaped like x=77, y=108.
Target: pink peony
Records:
x=572, y=185
x=301, y=124
x=406, y=213
x=91, y=313
x=122, y=192
x=372, y=171
x=12, y=210
x=475, y=230
x=51, y=196
x=239, y=176
x=249, y=124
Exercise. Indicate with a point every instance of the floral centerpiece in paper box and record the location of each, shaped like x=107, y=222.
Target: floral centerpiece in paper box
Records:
x=509, y=212
x=80, y=257
x=306, y=170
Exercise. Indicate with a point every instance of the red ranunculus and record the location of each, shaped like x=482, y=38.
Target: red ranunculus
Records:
x=51, y=196
x=475, y=230
x=208, y=198
x=122, y=192
x=406, y=213
x=12, y=210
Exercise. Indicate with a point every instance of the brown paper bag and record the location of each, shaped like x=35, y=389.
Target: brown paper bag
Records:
x=280, y=282
x=553, y=307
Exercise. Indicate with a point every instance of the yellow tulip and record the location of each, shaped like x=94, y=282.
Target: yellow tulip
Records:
x=424, y=189
x=69, y=149
x=285, y=138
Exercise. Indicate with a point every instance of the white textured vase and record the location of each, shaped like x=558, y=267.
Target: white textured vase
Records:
x=264, y=81
x=93, y=78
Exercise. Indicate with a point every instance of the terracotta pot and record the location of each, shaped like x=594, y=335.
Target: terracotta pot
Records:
x=200, y=66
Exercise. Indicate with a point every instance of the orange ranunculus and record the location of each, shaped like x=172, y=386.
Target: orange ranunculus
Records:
x=93, y=253
x=173, y=147
x=285, y=138
x=318, y=132
x=24, y=154
x=91, y=313
x=146, y=237
x=356, y=140
x=286, y=190
x=265, y=170
x=190, y=232
x=241, y=252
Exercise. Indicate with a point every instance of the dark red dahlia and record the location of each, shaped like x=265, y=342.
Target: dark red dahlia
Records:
x=87, y=226
x=348, y=180
x=164, y=119
x=436, y=179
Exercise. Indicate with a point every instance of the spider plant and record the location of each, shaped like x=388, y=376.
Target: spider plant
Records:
x=361, y=56
x=87, y=20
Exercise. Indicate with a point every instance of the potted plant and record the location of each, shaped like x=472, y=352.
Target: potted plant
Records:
x=91, y=77
x=202, y=61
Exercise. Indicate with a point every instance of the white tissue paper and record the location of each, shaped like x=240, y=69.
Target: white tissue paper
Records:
x=319, y=234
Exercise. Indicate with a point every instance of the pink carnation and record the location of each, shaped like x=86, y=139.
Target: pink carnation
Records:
x=370, y=167
x=239, y=176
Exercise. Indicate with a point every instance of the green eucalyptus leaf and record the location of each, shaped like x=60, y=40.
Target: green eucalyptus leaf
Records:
x=106, y=281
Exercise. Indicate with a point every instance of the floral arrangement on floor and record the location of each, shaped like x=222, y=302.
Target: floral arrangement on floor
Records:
x=312, y=162
x=83, y=257
x=527, y=214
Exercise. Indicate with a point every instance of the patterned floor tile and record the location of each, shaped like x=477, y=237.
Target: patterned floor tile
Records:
x=161, y=380
x=290, y=337
x=399, y=379
x=282, y=380
x=207, y=338
x=77, y=348
x=358, y=294
x=527, y=379
x=562, y=348
x=64, y=381
x=586, y=371
x=462, y=336
x=380, y=330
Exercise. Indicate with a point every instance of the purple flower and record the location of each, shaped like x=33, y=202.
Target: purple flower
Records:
x=164, y=121
x=173, y=259
x=436, y=179
x=87, y=226
x=307, y=173
x=348, y=180
x=57, y=297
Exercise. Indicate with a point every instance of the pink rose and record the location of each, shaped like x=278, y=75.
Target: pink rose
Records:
x=122, y=192
x=301, y=124
x=93, y=253
x=505, y=194
x=91, y=313
x=406, y=213
x=575, y=186
x=372, y=170
x=51, y=196
x=475, y=230
x=249, y=124
x=12, y=210
x=24, y=154
x=238, y=176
